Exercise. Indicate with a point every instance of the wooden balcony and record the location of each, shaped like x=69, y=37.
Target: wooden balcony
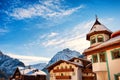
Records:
x=63, y=77
x=87, y=71
x=63, y=70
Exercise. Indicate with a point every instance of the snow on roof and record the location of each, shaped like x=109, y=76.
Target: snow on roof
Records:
x=98, y=27
x=105, y=44
x=61, y=61
x=83, y=59
x=30, y=71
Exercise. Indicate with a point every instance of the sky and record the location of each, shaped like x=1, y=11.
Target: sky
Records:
x=35, y=30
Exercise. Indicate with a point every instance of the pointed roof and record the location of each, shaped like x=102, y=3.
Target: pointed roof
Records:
x=98, y=28
x=61, y=61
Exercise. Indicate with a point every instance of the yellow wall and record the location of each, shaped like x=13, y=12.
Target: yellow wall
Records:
x=76, y=75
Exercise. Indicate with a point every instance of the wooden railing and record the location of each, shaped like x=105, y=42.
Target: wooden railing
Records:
x=63, y=77
x=63, y=70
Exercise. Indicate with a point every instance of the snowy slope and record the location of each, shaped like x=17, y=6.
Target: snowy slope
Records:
x=66, y=54
x=8, y=64
x=39, y=66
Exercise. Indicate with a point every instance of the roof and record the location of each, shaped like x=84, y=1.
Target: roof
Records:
x=30, y=71
x=113, y=42
x=82, y=59
x=98, y=28
x=61, y=61
x=117, y=33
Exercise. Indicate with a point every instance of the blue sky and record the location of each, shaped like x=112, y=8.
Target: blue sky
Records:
x=35, y=30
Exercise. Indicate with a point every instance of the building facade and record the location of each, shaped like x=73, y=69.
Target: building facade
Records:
x=74, y=69
x=28, y=74
x=104, y=51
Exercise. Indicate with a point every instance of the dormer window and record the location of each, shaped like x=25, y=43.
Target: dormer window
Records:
x=93, y=40
x=100, y=38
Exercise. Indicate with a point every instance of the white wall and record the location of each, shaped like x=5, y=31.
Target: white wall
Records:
x=114, y=64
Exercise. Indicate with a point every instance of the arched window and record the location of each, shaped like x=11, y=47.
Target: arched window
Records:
x=65, y=67
x=70, y=67
x=57, y=67
x=62, y=74
x=93, y=40
x=100, y=38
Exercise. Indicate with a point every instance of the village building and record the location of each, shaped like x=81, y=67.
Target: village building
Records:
x=28, y=73
x=104, y=51
x=74, y=69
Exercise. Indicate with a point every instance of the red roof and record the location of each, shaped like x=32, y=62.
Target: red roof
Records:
x=117, y=33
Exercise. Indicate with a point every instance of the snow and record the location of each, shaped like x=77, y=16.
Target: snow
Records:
x=39, y=66
x=98, y=27
x=66, y=54
x=8, y=64
x=31, y=71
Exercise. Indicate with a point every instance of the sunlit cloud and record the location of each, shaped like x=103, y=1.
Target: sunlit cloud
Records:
x=29, y=59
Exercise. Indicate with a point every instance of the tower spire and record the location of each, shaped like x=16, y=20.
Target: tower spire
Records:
x=96, y=17
x=96, y=22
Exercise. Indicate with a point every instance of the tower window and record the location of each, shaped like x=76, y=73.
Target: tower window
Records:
x=94, y=58
x=93, y=40
x=102, y=57
x=100, y=38
x=115, y=54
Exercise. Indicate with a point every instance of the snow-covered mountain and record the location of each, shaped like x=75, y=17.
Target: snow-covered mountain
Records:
x=8, y=65
x=66, y=54
x=39, y=66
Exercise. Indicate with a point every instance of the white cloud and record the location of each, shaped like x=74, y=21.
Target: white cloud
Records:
x=52, y=34
x=46, y=9
x=74, y=39
x=29, y=59
x=53, y=42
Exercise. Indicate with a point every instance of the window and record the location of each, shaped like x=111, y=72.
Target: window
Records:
x=77, y=61
x=61, y=67
x=65, y=67
x=115, y=53
x=102, y=57
x=117, y=76
x=93, y=40
x=94, y=58
x=100, y=38
x=62, y=74
x=57, y=67
x=70, y=67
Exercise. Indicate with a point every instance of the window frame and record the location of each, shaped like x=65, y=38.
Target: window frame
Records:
x=93, y=58
x=113, y=53
x=102, y=38
x=104, y=56
x=93, y=37
x=116, y=76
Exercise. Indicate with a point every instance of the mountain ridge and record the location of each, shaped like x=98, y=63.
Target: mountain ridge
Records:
x=8, y=65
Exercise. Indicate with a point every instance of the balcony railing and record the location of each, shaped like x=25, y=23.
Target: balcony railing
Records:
x=87, y=71
x=63, y=77
x=63, y=70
